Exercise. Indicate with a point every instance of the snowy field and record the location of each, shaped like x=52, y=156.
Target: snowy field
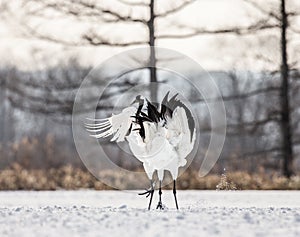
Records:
x=120, y=213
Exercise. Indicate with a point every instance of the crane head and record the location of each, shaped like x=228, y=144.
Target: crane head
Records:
x=138, y=99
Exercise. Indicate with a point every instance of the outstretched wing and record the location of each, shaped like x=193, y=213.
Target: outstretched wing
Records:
x=118, y=125
x=169, y=106
x=179, y=132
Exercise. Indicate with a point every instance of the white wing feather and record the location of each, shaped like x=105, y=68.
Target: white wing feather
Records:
x=179, y=134
x=117, y=125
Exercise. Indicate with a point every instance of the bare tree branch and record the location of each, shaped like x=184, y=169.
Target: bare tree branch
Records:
x=241, y=96
x=85, y=9
x=89, y=39
x=96, y=40
x=175, y=9
x=75, y=8
x=248, y=126
x=251, y=93
x=293, y=14
x=263, y=10
x=262, y=152
x=33, y=33
x=117, y=15
x=123, y=18
x=255, y=123
x=133, y=3
x=259, y=26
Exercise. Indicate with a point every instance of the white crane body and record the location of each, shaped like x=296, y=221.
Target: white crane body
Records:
x=161, y=136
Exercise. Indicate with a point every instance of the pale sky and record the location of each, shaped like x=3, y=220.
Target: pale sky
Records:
x=211, y=52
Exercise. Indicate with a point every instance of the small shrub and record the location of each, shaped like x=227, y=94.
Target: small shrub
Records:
x=225, y=184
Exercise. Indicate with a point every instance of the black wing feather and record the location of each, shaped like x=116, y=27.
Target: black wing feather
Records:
x=167, y=108
x=171, y=105
x=153, y=113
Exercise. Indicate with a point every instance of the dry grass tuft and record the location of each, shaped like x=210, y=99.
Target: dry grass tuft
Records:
x=226, y=184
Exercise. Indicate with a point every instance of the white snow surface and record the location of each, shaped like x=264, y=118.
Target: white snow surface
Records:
x=124, y=213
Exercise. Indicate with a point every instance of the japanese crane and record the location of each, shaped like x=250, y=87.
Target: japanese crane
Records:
x=159, y=135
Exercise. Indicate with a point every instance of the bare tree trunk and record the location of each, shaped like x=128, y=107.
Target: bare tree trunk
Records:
x=287, y=145
x=3, y=111
x=153, y=73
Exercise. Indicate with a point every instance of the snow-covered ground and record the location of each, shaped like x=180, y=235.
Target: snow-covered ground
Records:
x=121, y=213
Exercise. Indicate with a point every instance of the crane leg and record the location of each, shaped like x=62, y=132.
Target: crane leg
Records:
x=174, y=192
x=149, y=192
x=159, y=205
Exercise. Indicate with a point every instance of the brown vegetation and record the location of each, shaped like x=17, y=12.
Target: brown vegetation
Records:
x=67, y=177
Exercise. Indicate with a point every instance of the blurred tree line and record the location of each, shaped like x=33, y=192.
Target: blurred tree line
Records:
x=262, y=107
